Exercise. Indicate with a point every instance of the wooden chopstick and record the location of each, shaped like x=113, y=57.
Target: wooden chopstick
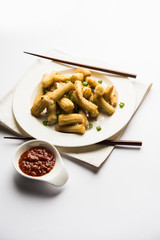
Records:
x=124, y=74
x=19, y=138
x=105, y=142
x=121, y=142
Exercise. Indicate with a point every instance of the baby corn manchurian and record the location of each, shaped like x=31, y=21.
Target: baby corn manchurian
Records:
x=105, y=106
x=37, y=108
x=91, y=81
x=85, y=71
x=78, y=92
x=77, y=76
x=51, y=114
x=53, y=87
x=39, y=93
x=39, y=103
x=87, y=92
x=91, y=98
x=113, y=98
x=82, y=112
x=60, y=78
x=48, y=79
x=108, y=91
x=78, y=88
x=78, y=128
x=66, y=104
x=70, y=119
x=86, y=105
x=99, y=90
x=51, y=111
x=61, y=90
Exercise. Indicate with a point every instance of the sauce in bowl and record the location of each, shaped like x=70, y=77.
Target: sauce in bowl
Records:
x=37, y=161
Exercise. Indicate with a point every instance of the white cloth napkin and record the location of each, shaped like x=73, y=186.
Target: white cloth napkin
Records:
x=94, y=155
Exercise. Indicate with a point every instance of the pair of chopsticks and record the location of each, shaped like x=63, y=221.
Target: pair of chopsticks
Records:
x=120, y=73
x=105, y=142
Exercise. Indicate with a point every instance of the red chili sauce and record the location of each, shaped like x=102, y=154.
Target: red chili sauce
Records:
x=37, y=161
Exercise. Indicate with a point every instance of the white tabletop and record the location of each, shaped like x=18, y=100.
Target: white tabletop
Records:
x=121, y=200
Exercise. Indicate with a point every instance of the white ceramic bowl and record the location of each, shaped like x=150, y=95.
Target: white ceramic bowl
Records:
x=58, y=176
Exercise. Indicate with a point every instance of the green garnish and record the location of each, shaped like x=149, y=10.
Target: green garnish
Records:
x=92, y=88
x=98, y=128
x=90, y=125
x=121, y=104
x=85, y=83
x=45, y=123
x=66, y=81
x=72, y=99
x=92, y=101
x=76, y=108
x=100, y=81
x=45, y=91
x=58, y=113
x=68, y=95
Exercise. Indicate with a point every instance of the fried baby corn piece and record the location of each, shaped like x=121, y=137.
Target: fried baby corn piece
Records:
x=113, y=98
x=37, y=108
x=91, y=98
x=82, y=112
x=86, y=105
x=51, y=111
x=69, y=119
x=39, y=103
x=85, y=71
x=77, y=76
x=39, y=94
x=61, y=90
x=51, y=114
x=78, y=88
x=53, y=86
x=91, y=81
x=51, y=106
x=108, y=92
x=60, y=78
x=87, y=92
x=90, y=107
x=48, y=79
x=78, y=128
x=66, y=104
x=99, y=90
x=105, y=106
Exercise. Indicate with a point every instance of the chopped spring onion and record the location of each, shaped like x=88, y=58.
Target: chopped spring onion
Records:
x=58, y=113
x=45, y=123
x=90, y=125
x=85, y=83
x=98, y=128
x=100, y=81
x=121, y=104
x=45, y=91
x=72, y=99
